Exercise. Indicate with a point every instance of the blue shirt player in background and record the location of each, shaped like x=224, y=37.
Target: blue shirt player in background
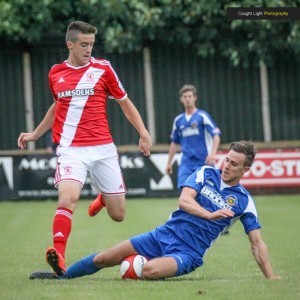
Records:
x=211, y=200
x=195, y=133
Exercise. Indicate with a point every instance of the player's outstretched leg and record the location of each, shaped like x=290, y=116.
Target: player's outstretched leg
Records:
x=83, y=267
x=96, y=205
x=56, y=261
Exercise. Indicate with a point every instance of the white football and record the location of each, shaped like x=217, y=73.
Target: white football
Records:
x=132, y=266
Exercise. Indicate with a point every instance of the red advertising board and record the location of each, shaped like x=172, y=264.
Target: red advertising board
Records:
x=272, y=168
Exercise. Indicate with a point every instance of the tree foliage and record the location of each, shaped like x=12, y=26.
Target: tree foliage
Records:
x=130, y=25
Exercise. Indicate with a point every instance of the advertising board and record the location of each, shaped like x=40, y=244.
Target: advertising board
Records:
x=32, y=176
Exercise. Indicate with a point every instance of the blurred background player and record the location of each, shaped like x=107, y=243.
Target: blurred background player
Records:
x=195, y=133
x=81, y=86
x=211, y=201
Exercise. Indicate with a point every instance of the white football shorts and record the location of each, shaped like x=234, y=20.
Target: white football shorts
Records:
x=102, y=163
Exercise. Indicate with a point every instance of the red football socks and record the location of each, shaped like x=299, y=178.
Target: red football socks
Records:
x=62, y=224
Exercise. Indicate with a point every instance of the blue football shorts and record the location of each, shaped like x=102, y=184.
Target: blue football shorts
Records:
x=161, y=242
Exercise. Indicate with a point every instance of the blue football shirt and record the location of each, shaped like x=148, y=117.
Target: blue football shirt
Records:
x=195, y=135
x=213, y=194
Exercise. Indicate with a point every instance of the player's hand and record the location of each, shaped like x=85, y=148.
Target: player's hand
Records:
x=24, y=138
x=145, y=144
x=169, y=169
x=210, y=160
x=221, y=214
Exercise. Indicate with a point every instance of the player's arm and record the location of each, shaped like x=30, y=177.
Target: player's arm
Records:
x=260, y=252
x=174, y=148
x=134, y=117
x=188, y=203
x=43, y=127
x=211, y=157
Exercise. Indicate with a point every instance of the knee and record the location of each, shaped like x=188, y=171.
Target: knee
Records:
x=118, y=217
x=67, y=200
x=100, y=260
x=116, y=208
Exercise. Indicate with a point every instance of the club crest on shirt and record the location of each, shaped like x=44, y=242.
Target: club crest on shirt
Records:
x=194, y=124
x=231, y=200
x=90, y=77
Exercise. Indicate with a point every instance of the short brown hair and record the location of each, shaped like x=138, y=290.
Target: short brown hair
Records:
x=186, y=88
x=79, y=27
x=247, y=148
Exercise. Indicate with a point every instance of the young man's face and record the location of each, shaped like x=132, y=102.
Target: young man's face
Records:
x=234, y=167
x=188, y=99
x=81, y=50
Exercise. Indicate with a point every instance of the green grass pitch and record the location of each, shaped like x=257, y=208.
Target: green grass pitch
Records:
x=229, y=270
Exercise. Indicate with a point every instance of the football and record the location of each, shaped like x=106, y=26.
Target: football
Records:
x=132, y=266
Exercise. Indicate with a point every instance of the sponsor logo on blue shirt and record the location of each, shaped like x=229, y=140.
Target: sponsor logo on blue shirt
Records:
x=215, y=197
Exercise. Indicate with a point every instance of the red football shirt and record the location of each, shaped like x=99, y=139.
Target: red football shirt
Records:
x=80, y=94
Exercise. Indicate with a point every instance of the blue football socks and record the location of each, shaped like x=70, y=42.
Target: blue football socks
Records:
x=83, y=267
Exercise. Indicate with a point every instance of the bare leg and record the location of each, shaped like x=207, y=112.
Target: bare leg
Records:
x=115, y=206
x=156, y=268
x=161, y=267
x=115, y=255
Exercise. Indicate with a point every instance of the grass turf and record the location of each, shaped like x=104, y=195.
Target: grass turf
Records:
x=229, y=270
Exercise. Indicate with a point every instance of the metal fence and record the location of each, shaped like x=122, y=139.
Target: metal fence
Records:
x=232, y=95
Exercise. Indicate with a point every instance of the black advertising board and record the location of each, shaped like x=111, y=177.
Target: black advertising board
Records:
x=31, y=177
